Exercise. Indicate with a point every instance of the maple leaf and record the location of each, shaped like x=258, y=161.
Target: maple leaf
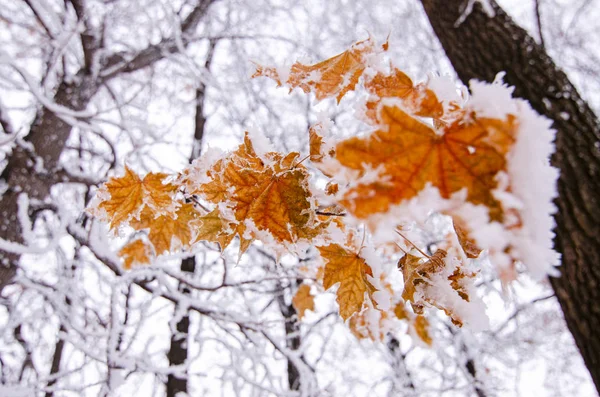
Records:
x=135, y=252
x=417, y=273
x=163, y=228
x=316, y=145
x=129, y=194
x=419, y=99
x=467, y=154
x=333, y=77
x=351, y=271
x=456, y=279
x=369, y=323
x=303, y=300
x=272, y=194
x=213, y=227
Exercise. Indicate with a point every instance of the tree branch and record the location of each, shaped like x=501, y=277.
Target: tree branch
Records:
x=127, y=63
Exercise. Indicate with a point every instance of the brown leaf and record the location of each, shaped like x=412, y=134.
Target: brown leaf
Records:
x=416, y=271
x=418, y=99
x=466, y=242
x=163, y=228
x=316, y=146
x=333, y=77
x=303, y=300
x=135, y=253
x=351, y=271
x=422, y=329
x=456, y=282
x=129, y=194
x=272, y=193
x=362, y=326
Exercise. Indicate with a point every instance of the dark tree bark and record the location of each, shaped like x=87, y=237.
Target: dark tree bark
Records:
x=178, y=352
x=479, y=48
x=56, y=361
x=49, y=132
x=293, y=339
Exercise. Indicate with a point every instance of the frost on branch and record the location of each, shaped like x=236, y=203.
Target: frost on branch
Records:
x=441, y=182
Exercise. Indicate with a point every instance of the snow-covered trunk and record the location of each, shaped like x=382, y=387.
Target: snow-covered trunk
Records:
x=479, y=46
x=293, y=338
x=178, y=350
x=32, y=166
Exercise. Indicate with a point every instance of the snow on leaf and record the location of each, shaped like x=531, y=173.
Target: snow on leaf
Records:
x=129, y=194
x=420, y=100
x=422, y=283
x=212, y=227
x=413, y=154
x=271, y=193
x=163, y=228
x=369, y=323
x=350, y=270
x=303, y=300
x=316, y=143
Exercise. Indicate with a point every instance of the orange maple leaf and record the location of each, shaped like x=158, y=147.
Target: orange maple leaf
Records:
x=129, y=194
x=163, y=228
x=351, y=271
x=467, y=154
x=272, y=193
x=303, y=300
x=135, y=252
x=333, y=77
x=419, y=99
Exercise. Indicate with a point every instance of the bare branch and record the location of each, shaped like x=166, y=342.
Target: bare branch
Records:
x=127, y=63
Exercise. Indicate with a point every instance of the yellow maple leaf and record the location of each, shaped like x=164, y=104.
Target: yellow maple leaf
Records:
x=273, y=194
x=129, y=194
x=351, y=271
x=163, y=228
x=212, y=227
x=333, y=77
x=303, y=300
x=135, y=252
x=467, y=154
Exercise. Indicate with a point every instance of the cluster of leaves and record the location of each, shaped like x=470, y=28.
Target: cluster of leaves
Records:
x=425, y=154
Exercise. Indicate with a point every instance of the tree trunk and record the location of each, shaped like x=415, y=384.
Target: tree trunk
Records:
x=31, y=167
x=293, y=339
x=479, y=48
x=178, y=351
